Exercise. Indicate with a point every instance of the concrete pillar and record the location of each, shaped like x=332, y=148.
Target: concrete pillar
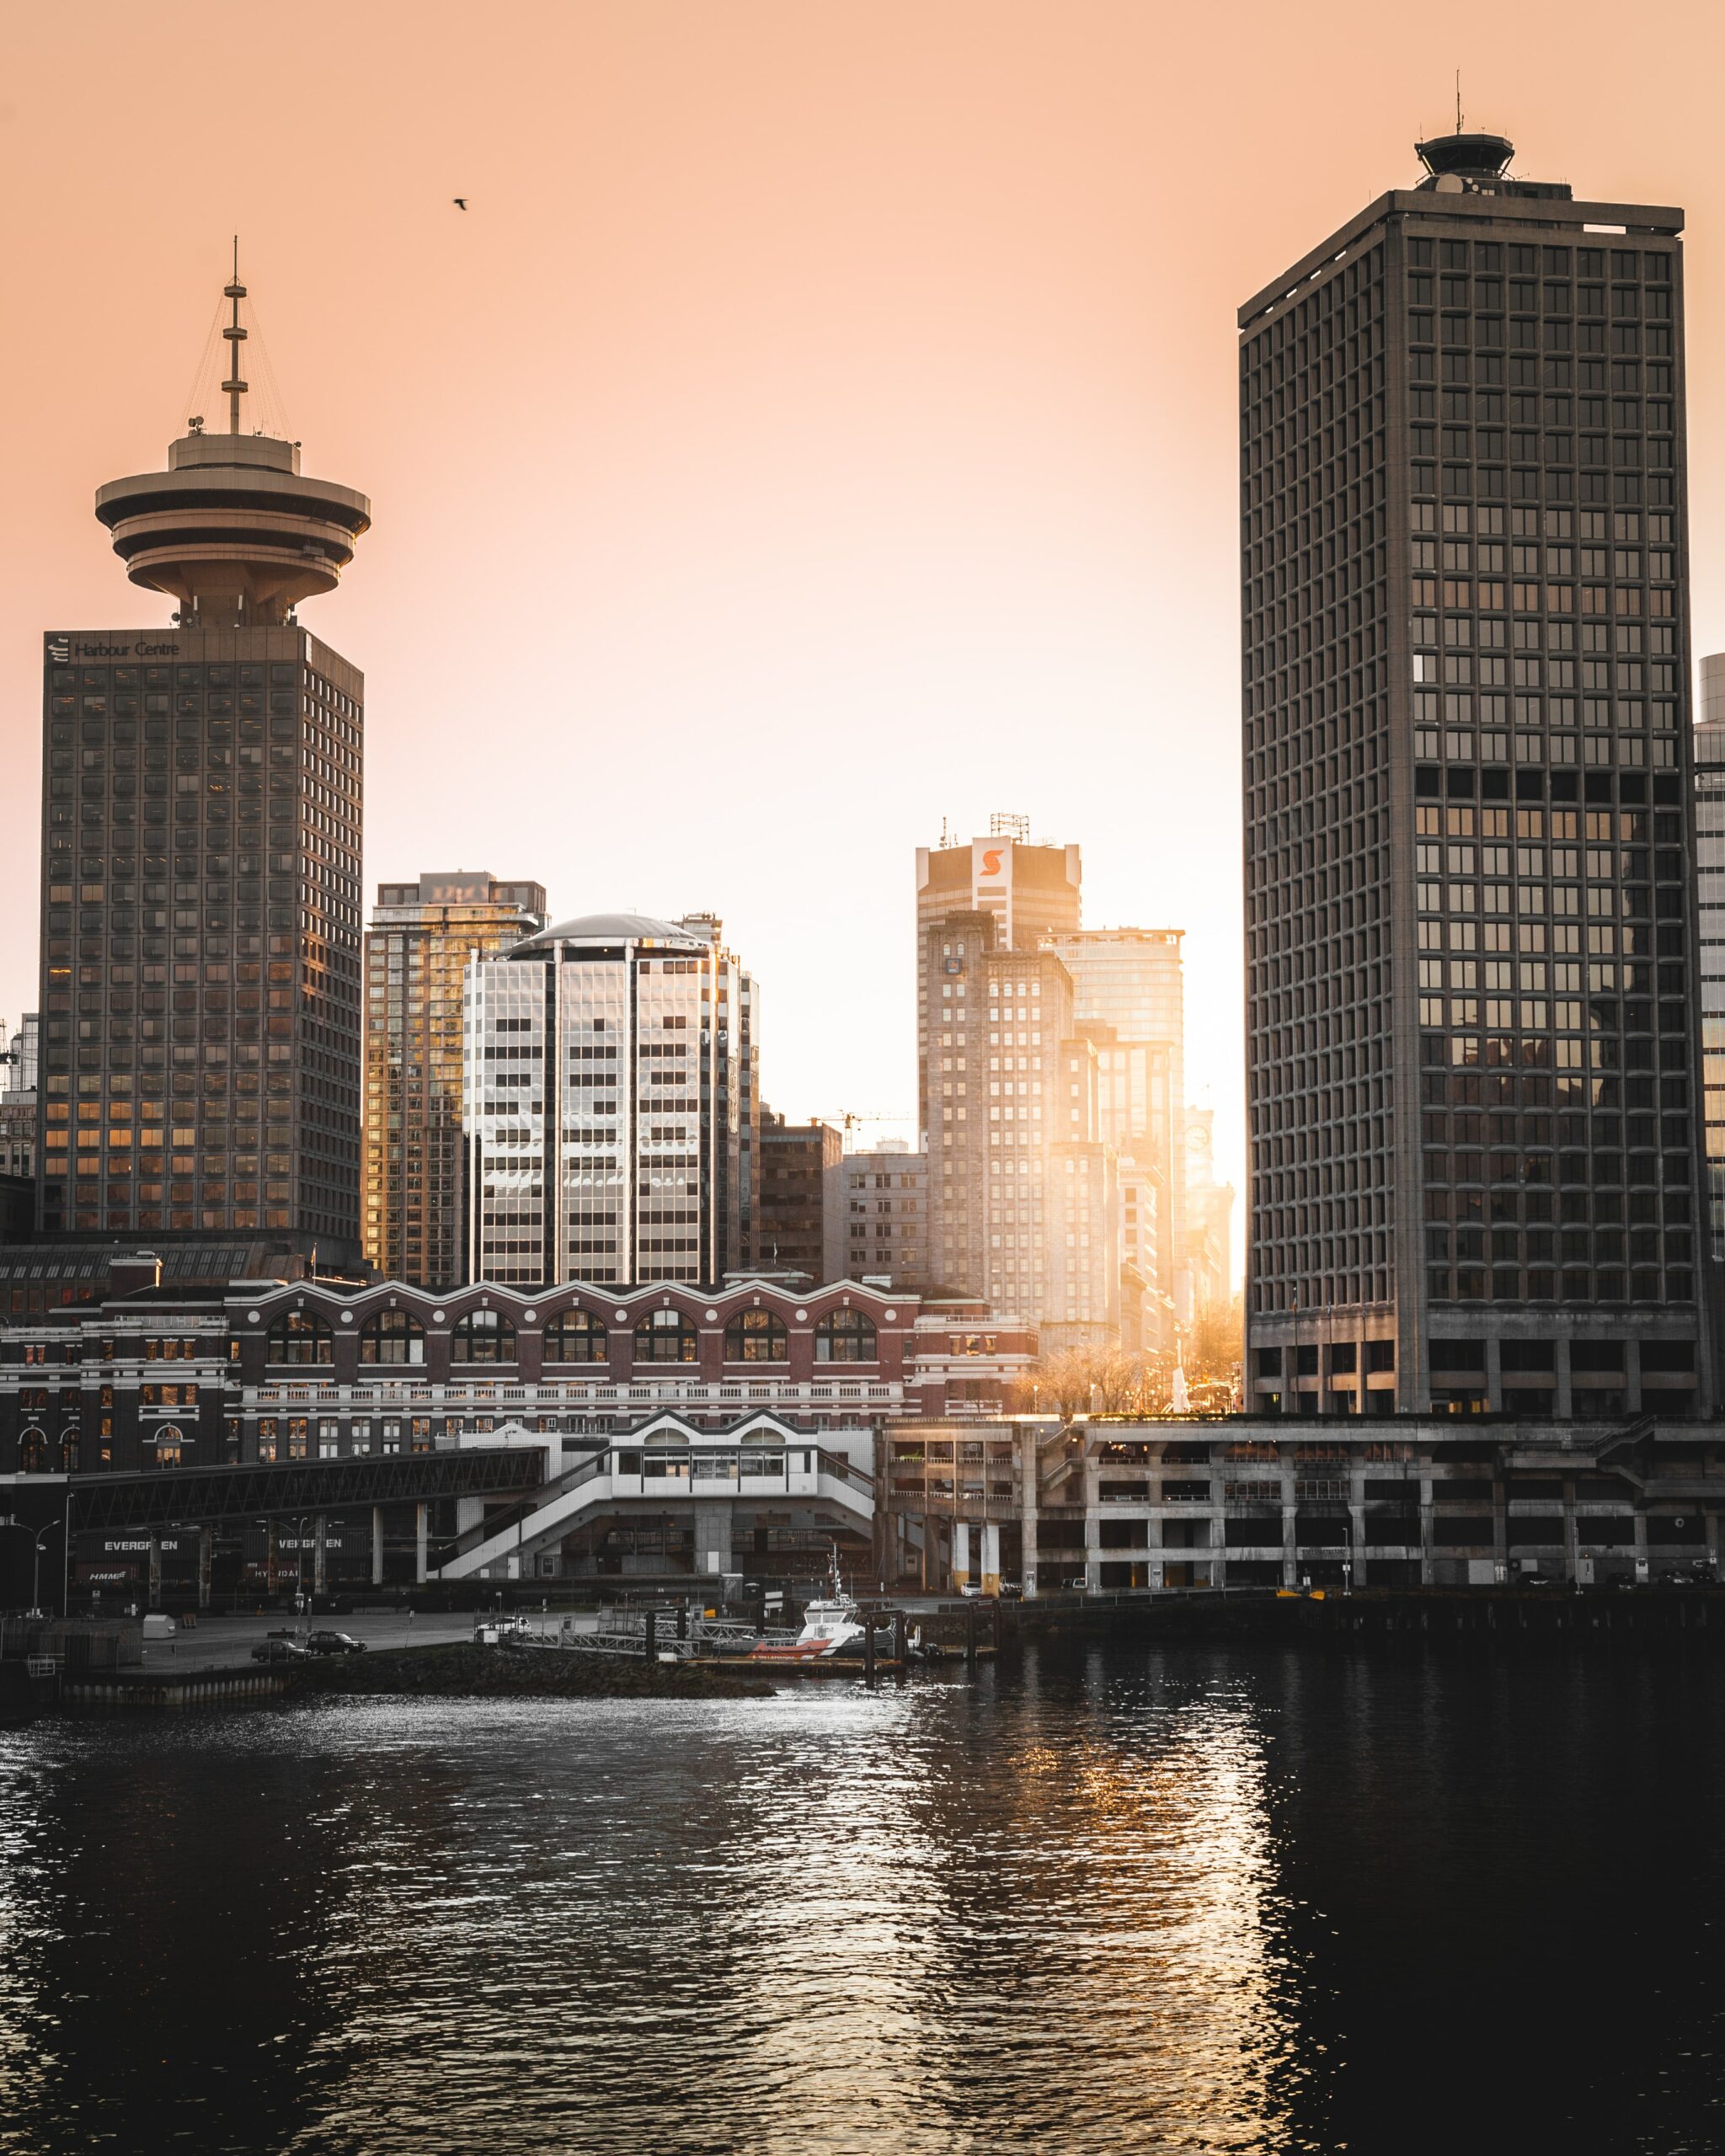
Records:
x=1291, y=1553
x=206, y=1562
x=1500, y=1527
x=961, y=1555
x=1709, y=1522
x=320, y=1573
x=155, y=1598
x=1565, y=1405
x=991, y=1560
x=1029, y=1473
x=1494, y=1371
x=1425, y=1530
x=712, y=1536
x=1356, y=1515
x=1569, y=1536
x=422, y=1536
x=1641, y=1544
x=377, y=1546
x=1631, y=1377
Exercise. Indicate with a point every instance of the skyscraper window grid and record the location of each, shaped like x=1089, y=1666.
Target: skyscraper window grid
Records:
x=1472, y=1065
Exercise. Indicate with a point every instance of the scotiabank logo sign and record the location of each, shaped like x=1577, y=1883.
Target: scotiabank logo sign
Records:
x=989, y=864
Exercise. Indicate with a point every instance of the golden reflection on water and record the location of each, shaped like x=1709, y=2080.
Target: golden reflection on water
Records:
x=946, y=1918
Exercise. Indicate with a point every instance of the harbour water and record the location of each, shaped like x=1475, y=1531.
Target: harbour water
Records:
x=1098, y=1898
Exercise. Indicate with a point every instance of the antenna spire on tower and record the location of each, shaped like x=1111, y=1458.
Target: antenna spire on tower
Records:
x=1458, y=101
x=235, y=385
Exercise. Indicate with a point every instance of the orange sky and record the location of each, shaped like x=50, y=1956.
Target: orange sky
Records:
x=822, y=422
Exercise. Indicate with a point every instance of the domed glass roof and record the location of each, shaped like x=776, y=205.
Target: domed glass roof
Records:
x=613, y=928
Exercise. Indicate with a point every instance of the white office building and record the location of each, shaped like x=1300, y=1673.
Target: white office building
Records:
x=610, y=1088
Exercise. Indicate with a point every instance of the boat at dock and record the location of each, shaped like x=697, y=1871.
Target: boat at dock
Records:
x=834, y=1630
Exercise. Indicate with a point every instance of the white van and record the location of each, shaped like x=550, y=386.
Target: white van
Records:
x=159, y=1626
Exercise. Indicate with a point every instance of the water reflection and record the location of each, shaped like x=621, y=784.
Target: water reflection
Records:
x=1131, y=1899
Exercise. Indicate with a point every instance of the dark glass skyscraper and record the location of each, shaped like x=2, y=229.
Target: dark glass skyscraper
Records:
x=200, y=877
x=1472, y=1057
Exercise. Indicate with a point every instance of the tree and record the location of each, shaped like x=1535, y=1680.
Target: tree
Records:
x=1214, y=1347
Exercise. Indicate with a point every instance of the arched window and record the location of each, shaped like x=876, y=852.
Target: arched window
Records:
x=301, y=1337
x=482, y=1336
x=576, y=1337
x=392, y=1336
x=32, y=1452
x=756, y=1336
x=845, y=1336
x=169, y=1443
x=665, y=1336
x=68, y=1452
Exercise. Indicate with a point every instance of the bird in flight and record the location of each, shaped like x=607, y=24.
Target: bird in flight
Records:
x=460, y=201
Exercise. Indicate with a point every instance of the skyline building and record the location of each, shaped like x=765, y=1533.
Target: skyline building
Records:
x=417, y=948
x=1710, y=917
x=1129, y=997
x=795, y=1163
x=201, y=809
x=1473, y=1111
x=876, y=1216
x=1029, y=891
x=19, y=1102
x=608, y=1086
x=1022, y=1192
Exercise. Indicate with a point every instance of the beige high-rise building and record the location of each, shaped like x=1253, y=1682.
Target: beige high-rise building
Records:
x=1129, y=998
x=877, y=1216
x=417, y=948
x=1023, y=1204
x=1028, y=892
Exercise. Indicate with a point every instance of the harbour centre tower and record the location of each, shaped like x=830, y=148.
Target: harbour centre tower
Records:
x=200, y=877
x=1472, y=1060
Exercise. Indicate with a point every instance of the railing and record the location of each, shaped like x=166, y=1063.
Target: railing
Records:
x=802, y=1472
x=564, y=1393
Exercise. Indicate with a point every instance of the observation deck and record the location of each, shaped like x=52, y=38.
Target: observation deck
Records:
x=233, y=529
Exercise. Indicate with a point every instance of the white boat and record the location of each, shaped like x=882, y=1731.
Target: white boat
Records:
x=832, y=1630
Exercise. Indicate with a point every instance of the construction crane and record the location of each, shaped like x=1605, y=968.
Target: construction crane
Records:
x=850, y=1120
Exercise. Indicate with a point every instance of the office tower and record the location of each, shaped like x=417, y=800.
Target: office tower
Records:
x=737, y=1099
x=1710, y=907
x=1472, y=1061
x=796, y=1160
x=877, y=1216
x=1209, y=1216
x=608, y=1084
x=1028, y=891
x=200, y=864
x=1129, y=998
x=19, y=1102
x=417, y=948
x=1022, y=1195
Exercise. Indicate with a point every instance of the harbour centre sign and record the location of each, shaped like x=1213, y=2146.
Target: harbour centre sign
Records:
x=63, y=650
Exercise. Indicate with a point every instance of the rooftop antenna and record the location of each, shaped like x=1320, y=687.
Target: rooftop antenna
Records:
x=1458, y=101
x=235, y=384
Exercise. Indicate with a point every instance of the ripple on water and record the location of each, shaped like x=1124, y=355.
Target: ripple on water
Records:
x=1131, y=1899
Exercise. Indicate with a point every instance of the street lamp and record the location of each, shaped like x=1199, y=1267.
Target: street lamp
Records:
x=37, y=1536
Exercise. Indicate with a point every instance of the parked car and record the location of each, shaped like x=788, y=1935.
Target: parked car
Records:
x=275, y=1650
x=284, y=1632
x=335, y=1643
